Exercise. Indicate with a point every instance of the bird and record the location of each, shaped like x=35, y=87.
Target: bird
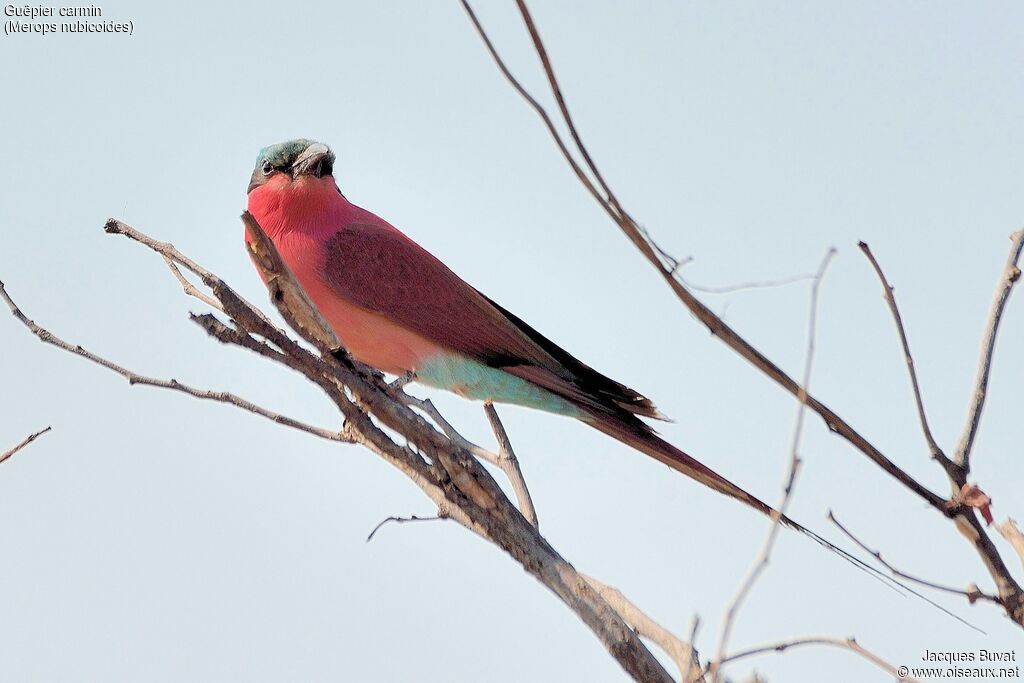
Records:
x=399, y=309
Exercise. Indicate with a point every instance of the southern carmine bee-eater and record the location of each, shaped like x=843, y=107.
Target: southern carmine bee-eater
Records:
x=399, y=309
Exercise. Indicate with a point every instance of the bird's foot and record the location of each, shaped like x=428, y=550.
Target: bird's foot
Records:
x=403, y=380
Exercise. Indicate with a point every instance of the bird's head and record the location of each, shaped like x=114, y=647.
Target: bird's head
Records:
x=292, y=186
x=291, y=162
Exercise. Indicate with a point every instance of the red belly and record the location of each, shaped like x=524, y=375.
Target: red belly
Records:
x=368, y=336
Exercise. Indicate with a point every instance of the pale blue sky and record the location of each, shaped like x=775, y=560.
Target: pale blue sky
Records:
x=151, y=537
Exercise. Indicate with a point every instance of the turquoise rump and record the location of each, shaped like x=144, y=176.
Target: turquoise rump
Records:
x=471, y=379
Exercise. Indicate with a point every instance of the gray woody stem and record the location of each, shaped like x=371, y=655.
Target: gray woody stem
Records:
x=681, y=652
x=1007, y=279
x=509, y=464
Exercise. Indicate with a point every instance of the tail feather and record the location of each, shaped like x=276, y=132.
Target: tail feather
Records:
x=640, y=436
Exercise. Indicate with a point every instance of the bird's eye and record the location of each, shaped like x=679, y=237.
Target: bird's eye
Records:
x=268, y=168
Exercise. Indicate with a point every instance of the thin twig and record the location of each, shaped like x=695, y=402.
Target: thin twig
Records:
x=744, y=286
x=1007, y=279
x=189, y=288
x=954, y=471
x=794, y=467
x=29, y=439
x=134, y=378
x=850, y=644
x=509, y=464
x=973, y=594
x=402, y=520
x=427, y=407
x=681, y=652
x=556, y=90
x=168, y=251
x=539, y=109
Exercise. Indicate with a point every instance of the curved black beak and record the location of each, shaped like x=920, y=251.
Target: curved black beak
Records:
x=316, y=160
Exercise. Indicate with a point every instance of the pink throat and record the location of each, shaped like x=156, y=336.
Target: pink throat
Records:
x=306, y=206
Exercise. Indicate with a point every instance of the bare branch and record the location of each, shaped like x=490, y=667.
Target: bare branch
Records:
x=1007, y=279
x=744, y=286
x=556, y=90
x=556, y=136
x=850, y=644
x=189, y=288
x=972, y=593
x=509, y=464
x=167, y=250
x=427, y=407
x=681, y=652
x=794, y=467
x=135, y=378
x=1012, y=533
x=955, y=473
x=28, y=439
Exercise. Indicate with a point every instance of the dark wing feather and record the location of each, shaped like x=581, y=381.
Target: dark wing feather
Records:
x=382, y=270
x=589, y=380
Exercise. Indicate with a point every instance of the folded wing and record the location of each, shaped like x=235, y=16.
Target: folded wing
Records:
x=380, y=269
